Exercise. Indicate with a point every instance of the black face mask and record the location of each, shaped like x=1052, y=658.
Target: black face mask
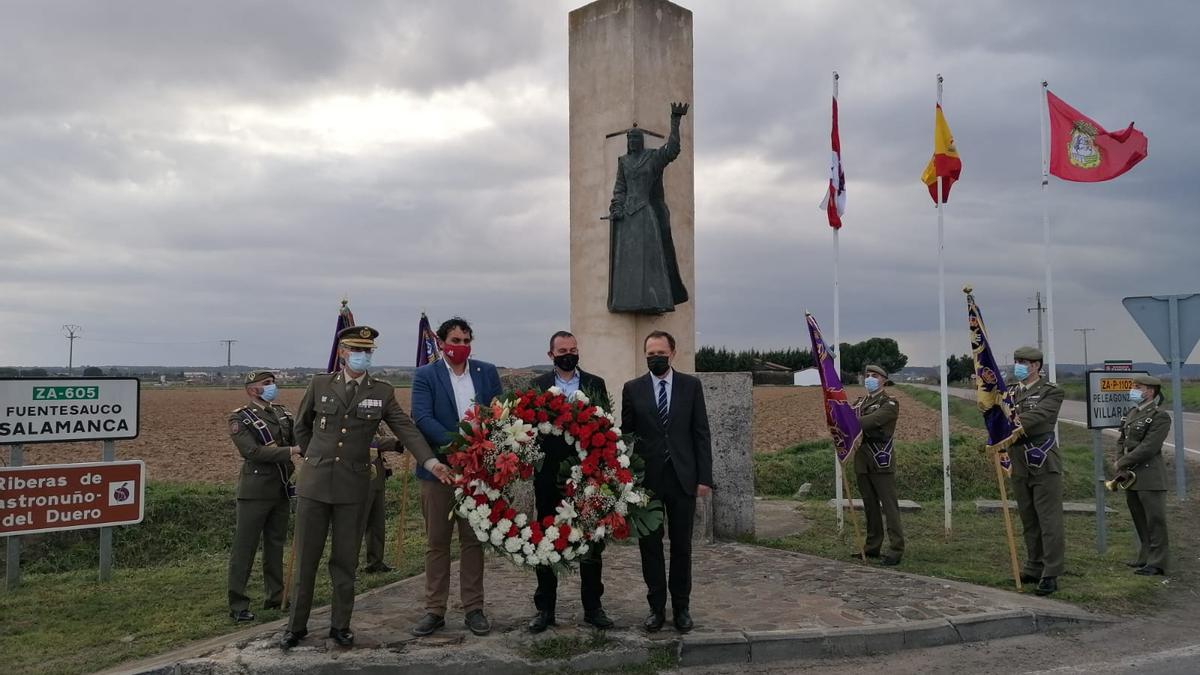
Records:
x=566, y=362
x=658, y=364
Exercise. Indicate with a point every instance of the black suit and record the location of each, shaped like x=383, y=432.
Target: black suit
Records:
x=678, y=458
x=548, y=493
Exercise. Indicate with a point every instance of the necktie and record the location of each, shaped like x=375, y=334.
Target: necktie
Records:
x=351, y=389
x=663, y=411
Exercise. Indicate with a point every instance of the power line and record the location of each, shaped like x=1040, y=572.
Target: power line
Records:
x=72, y=332
x=228, y=352
x=1040, y=309
x=1085, y=331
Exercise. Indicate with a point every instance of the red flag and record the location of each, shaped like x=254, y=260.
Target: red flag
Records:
x=1082, y=151
x=834, y=203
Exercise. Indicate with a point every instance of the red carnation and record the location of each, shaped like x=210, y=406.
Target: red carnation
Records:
x=480, y=500
x=598, y=440
x=543, y=416
x=535, y=534
x=611, y=435
x=512, y=532
x=625, y=475
x=547, y=521
x=510, y=513
x=562, y=540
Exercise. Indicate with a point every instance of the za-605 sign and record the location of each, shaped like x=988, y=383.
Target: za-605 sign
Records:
x=56, y=410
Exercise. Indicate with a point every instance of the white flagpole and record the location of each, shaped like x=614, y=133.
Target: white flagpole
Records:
x=946, y=496
x=1051, y=364
x=837, y=345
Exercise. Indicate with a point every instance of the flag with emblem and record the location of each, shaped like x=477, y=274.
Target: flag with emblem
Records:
x=1082, y=151
x=992, y=396
x=345, y=319
x=834, y=203
x=427, y=347
x=945, y=163
x=839, y=415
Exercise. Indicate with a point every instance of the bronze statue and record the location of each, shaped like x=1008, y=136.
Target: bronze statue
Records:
x=643, y=274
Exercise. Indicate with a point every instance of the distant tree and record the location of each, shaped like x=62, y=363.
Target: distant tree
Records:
x=10, y=372
x=883, y=352
x=93, y=371
x=959, y=368
x=36, y=372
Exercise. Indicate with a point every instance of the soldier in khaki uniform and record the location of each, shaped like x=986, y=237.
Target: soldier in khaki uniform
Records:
x=337, y=419
x=262, y=431
x=874, y=466
x=1037, y=472
x=1139, y=458
x=373, y=528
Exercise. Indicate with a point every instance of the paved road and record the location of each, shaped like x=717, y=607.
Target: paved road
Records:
x=1075, y=412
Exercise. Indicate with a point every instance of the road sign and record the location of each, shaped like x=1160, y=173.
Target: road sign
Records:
x=54, y=497
x=1108, y=397
x=1118, y=365
x=56, y=410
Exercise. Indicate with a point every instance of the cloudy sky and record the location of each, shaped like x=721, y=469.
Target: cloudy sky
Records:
x=177, y=173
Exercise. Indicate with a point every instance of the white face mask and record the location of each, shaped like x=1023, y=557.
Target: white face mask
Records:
x=1135, y=395
x=872, y=384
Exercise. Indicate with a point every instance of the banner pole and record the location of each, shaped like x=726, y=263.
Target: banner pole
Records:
x=1008, y=526
x=862, y=546
x=837, y=348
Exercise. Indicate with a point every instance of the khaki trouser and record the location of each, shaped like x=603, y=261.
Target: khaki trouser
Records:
x=437, y=500
x=1149, y=511
x=314, y=522
x=373, y=527
x=268, y=519
x=1039, y=501
x=880, y=503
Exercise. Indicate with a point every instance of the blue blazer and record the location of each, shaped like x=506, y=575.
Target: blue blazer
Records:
x=434, y=409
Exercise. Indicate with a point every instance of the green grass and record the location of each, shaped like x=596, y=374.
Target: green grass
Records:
x=62, y=620
x=566, y=646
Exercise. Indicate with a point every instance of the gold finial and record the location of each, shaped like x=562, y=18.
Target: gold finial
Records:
x=967, y=288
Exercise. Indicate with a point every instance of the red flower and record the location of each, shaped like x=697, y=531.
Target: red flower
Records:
x=625, y=476
x=547, y=521
x=598, y=440
x=620, y=527
x=535, y=535
x=543, y=416
x=513, y=531
x=480, y=500
x=510, y=514
x=562, y=539
x=569, y=488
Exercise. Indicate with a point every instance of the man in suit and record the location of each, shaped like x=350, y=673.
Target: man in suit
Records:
x=664, y=410
x=1037, y=472
x=1139, y=460
x=338, y=416
x=570, y=378
x=262, y=432
x=442, y=393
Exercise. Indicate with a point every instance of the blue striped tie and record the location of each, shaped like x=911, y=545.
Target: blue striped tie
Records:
x=662, y=402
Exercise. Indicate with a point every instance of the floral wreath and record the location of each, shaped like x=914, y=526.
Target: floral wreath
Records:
x=500, y=444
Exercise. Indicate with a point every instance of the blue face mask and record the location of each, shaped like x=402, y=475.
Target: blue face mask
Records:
x=1021, y=371
x=872, y=384
x=269, y=392
x=1135, y=395
x=358, y=361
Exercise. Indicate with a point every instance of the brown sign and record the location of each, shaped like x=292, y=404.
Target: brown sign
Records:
x=71, y=496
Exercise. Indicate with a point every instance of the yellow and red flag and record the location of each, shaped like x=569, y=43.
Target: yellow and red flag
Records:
x=945, y=163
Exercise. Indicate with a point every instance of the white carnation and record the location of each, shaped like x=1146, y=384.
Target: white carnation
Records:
x=512, y=545
x=528, y=548
x=504, y=525
x=575, y=535
x=481, y=535
x=553, y=557
x=552, y=533
x=555, y=390
x=518, y=558
x=623, y=460
x=633, y=497
x=526, y=533
x=569, y=553
x=580, y=396
x=544, y=428
x=496, y=538
x=521, y=520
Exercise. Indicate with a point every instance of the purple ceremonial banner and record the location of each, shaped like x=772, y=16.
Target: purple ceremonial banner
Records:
x=345, y=320
x=839, y=415
x=427, y=348
x=992, y=396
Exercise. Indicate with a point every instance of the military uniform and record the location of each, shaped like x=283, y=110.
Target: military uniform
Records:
x=335, y=424
x=373, y=528
x=875, y=470
x=1139, y=450
x=263, y=434
x=1037, y=474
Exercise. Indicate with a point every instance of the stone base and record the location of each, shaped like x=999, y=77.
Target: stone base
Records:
x=906, y=505
x=1074, y=508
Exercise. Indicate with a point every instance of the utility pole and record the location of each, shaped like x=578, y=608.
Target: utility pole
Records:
x=228, y=352
x=1085, y=331
x=72, y=332
x=1039, y=309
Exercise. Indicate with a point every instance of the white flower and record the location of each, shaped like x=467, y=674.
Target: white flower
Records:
x=633, y=497
x=566, y=512
x=544, y=428
x=552, y=533
x=623, y=460
x=589, y=490
x=492, y=494
x=620, y=444
x=598, y=535
x=464, y=510
x=584, y=548
x=496, y=538
x=575, y=535
x=518, y=558
x=458, y=492
x=554, y=557
x=569, y=553
x=533, y=558
x=555, y=390
x=481, y=535
x=621, y=508
x=526, y=533
x=545, y=547
x=512, y=545
x=521, y=520
x=527, y=548
x=504, y=525
x=580, y=396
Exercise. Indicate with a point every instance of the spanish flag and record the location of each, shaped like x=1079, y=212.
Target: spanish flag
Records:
x=945, y=162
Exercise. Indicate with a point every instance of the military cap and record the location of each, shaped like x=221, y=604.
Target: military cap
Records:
x=1028, y=353
x=258, y=376
x=878, y=371
x=1148, y=380
x=361, y=337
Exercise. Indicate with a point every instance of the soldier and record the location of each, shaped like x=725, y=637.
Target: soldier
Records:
x=1140, y=460
x=262, y=432
x=373, y=528
x=337, y=419
x=1037, y=472
x=875, y=467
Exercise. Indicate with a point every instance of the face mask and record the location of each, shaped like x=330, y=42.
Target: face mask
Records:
x=1135, y=395
x=872, y=384
x=358, y=361
x=566, y=362
x=1021, y=371
x=456, y=354
x=658, y=364
x=269, y=392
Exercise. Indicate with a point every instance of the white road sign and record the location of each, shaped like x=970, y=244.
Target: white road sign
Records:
x=62, y=409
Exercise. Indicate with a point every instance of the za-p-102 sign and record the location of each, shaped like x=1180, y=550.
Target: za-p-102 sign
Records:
x=1108, y=397
x=63, y=410
x=71, y=496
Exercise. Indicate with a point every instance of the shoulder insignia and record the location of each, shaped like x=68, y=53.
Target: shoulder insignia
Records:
x=234, y=426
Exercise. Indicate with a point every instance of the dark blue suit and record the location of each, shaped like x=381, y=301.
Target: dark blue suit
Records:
x=433, y=407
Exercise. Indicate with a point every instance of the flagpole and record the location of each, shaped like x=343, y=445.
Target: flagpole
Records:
x=1051, y=364
x=837, y=349
x=945, y=393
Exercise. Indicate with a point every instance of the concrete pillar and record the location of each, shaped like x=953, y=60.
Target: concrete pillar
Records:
x=729, y=398
x=628, y=60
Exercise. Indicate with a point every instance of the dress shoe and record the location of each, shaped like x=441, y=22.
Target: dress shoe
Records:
x=890, y=560
x=541, y=622
x=241, y=615
x=428, y=623
x=1134, y=564
x=477, y=622
x=344, y=637
x=683, y=620
x=1029, y=579
x=598, y=618
x=1148, y=571
x=1046, y=586
x=654, y=622
x=292, y=638
x=377, y=568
